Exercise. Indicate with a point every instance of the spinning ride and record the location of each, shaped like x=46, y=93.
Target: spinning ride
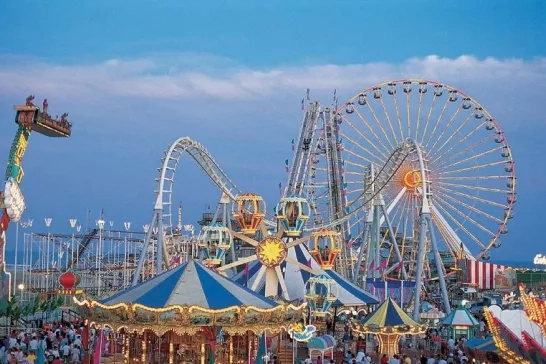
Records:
x=30, y=118
x=271, y=247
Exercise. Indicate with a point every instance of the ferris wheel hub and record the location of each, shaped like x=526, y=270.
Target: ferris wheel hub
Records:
x=271, y=251
x=412, y=180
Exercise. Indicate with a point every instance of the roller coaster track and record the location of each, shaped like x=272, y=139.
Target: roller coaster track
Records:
x=213, y=170
x=162, y=216
x=84, y=243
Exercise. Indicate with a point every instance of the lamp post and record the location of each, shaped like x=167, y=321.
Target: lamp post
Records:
x=73, y=223
x=100, y=224
x=127, y=226
x=24, y=225
x=146, y=228
x=47, y=221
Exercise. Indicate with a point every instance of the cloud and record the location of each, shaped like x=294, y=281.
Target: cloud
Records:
x=193, y=76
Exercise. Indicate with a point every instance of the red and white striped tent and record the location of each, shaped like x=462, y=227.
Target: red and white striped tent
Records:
x=488, y=275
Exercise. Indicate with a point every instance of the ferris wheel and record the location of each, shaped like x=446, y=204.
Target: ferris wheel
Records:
x=459, y=152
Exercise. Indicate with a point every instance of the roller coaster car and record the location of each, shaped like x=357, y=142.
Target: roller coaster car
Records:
x=31, y=116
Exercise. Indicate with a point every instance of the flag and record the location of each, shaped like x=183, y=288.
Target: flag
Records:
x=307, y=93
x=302, y=104
x=335, y=95
x=280, y=189
x=293, y=146
x=245, y=274
x=286, y=165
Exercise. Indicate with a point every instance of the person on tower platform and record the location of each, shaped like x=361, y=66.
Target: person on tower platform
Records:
x=44, y=107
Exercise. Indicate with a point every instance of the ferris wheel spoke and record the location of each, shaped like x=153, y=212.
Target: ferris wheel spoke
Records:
x=429, y=114
x=446, y=127
x=397, y=110
x=419, y=107
x=453, y=134
x=470, y=178
x=354, y=164
x=472, y=197
x=380, y=124
x=437, y=123
x=300, y=265
x=442, y=211
x=238, y=262
x=387, y=115
x=386, y=150
x=473, y=168
x=259, y=277
x=465, y=216
x=469, y=148
x=244, y=238
x=474, y=157
x=407, y=90
x=282, y=282
x=458, y=142
x=472, y=208
x=356, y=155
x=476, y=188
x=298, y=241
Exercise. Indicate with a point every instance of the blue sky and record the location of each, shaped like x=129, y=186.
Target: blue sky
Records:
x=231, y=75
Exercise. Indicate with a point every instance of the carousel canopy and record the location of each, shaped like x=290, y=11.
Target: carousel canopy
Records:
x=348, y=294
x=460, y=317
x=190, y=284
x=389, y=314
x=321, y=342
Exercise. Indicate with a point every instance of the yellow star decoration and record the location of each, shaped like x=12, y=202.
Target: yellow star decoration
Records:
x=271, y=251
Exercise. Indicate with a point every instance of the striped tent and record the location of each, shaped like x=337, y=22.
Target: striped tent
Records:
x=389, y=314
x=296, y=280
x=191, y=284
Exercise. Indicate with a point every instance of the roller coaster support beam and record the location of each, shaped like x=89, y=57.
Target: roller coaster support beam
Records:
x=393, y=241
x=144, y=252
x=365, y=235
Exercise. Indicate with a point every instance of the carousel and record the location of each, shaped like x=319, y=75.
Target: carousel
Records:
x=389, y=323
x=189, y=314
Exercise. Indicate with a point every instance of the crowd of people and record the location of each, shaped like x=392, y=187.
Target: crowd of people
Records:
x=57, y=343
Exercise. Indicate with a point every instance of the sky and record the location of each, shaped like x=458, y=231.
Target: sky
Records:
x=231, y=75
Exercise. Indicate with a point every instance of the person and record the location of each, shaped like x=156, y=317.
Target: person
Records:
x=384, y=359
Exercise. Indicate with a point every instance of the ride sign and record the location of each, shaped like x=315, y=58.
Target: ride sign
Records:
x=539, y=259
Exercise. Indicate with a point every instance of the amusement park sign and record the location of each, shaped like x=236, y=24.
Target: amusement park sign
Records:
x=539, y=259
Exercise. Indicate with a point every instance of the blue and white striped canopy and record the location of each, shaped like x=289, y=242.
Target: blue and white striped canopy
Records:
x=349, y=294
x=190, y=284
x=296, y=280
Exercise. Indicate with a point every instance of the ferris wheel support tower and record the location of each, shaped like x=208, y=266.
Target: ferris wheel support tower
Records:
x=377, y=215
